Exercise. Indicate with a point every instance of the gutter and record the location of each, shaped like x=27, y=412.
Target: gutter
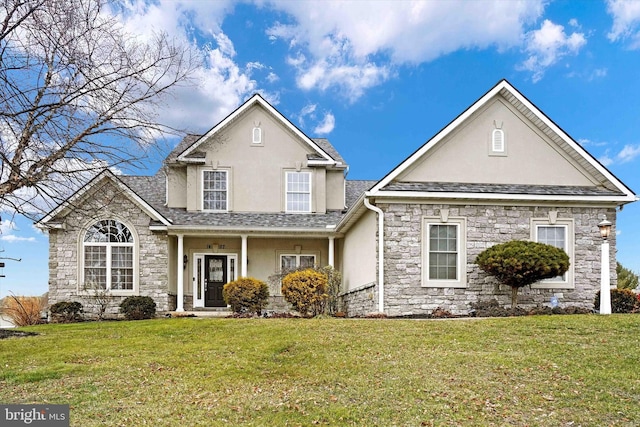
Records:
x=380, y=252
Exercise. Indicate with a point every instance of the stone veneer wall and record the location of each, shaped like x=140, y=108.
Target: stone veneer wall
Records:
x=360, y=301
x=64, y=257
x=485, y=225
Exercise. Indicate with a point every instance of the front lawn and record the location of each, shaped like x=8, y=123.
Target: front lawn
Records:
x=581, y=370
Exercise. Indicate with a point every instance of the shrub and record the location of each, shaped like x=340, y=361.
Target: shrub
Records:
x=622, y=301
x=66, y=312
x=306, y=291
x=23, y=311
x=138, y=308
x=627, y=279
x=520, y=263
x=334, y=282
x=246, y=295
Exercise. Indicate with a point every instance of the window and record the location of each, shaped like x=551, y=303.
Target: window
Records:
x=214, y=190
x=108, y=256
x=293, y=262
x=444, y=258
x=298, y=192
x=558, y=234
x=497, y=141
x=257, y=135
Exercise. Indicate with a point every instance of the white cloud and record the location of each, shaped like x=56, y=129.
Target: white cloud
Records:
x=626, y=21
x=7, y=229
x=326, y=126
x=353, y=46
x=605, y=160
x=628, y=153
x=547, y=45
x=272, y=77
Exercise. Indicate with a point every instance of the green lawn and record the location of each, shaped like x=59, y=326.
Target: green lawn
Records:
x=527, y=371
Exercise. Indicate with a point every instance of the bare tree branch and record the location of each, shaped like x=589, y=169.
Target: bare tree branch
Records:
x=78, y=94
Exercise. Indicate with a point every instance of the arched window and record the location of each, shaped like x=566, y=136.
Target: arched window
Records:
x=109, y=256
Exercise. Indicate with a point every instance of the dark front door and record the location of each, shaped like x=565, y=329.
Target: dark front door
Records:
x=215, y=277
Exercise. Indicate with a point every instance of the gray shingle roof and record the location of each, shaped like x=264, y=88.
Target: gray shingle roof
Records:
x=152, y=190
x=455, y=187
x=186, y=142
x=328, y=148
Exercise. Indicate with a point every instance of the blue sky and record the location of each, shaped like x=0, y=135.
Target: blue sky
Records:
x=380, y=78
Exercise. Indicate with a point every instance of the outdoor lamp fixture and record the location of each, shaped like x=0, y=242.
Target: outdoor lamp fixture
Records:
x=185, y=260
x=605, y=279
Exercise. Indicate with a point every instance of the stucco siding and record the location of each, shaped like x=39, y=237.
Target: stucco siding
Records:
x=359, y=252
x=530, y=157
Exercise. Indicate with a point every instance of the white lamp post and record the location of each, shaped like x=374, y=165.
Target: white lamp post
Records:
x=605, y=279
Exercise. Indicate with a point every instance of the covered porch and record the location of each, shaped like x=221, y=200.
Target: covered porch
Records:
x=203, y=261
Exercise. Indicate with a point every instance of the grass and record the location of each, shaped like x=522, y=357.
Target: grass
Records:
x=531, y=371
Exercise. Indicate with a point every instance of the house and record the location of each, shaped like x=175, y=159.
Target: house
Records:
x=255, y=195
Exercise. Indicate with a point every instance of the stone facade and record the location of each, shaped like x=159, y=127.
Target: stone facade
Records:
x=485, y=226
x=360, y=301
x=65, y=251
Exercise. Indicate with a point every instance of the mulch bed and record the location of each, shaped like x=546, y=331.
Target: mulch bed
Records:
x=9, y=333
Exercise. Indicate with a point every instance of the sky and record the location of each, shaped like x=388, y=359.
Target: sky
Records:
x=378, y=79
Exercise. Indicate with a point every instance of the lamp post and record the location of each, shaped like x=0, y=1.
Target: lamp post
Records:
x=605, y=279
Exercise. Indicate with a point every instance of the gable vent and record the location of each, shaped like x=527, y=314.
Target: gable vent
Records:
x=497, y=141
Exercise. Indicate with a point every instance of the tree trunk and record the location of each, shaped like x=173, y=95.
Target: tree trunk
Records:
x=514, y=296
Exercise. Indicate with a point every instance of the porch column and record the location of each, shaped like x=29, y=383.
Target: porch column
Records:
x=180, y=284
x=243, y=256
x=331, y=251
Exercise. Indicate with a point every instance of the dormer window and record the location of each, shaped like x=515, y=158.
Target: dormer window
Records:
x=257, y=135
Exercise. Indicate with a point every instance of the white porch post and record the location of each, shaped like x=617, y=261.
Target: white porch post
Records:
x=180, y=284
x=605, y=280
x=331, y=251
x=243, y=262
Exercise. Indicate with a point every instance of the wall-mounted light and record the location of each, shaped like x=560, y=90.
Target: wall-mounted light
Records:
x=185, y=261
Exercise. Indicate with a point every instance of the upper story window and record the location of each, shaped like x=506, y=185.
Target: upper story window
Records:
x=298, y=192
x=214, y=190
x=108, y=256
x=256, y=137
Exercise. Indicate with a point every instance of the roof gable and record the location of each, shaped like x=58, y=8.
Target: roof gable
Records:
x=85, y=191
x=567, y=152
x=321, y=151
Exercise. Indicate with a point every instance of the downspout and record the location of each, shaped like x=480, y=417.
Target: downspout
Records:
x=380, y=253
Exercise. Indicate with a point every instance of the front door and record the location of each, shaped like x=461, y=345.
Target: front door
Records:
x=215, y=277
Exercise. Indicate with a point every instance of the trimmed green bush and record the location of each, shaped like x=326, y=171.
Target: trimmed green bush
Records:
x=520, y=263
x=622, y=301
x=627, y=279
x=306, y=291
x=246, y=295
x=138, y=308
x=66, y=312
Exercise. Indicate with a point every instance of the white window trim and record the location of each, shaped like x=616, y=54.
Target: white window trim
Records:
x=202, y=190
x=461, y=281
x=82, y=289
x=286, y=192
x=568, y=282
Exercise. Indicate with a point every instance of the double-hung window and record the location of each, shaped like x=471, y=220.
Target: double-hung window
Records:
x=558, y=234
x=298, y=192
x=108, y=257
x=214, y=190
x=293, y=262
x=444, y=259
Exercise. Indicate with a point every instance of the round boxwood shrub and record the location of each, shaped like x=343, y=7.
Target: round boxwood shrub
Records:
x=138, y=308
x=66, y=312
x=246, y=295
x=306, y=291
x=519, y=263
x=622, y=301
